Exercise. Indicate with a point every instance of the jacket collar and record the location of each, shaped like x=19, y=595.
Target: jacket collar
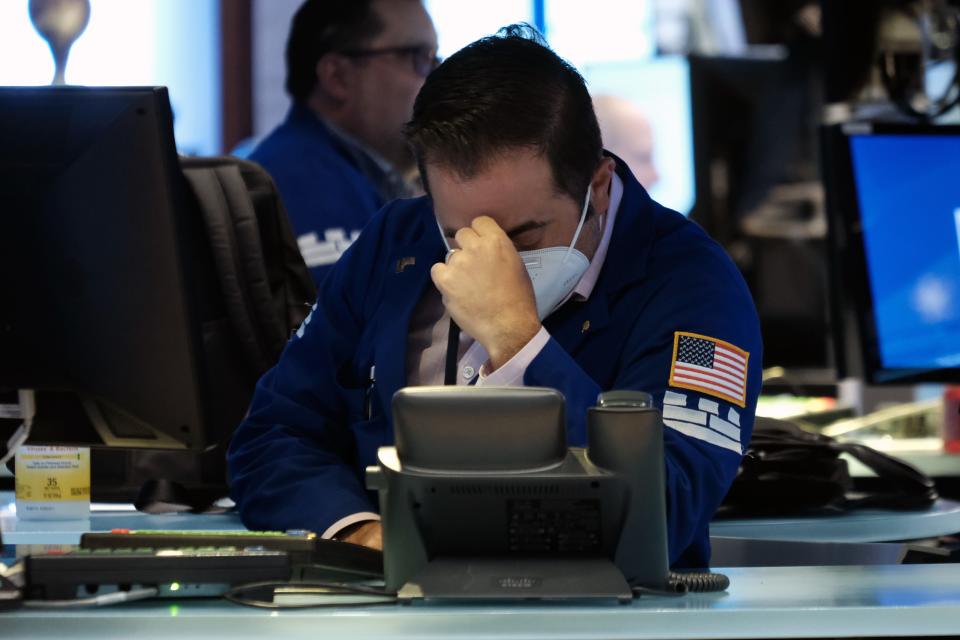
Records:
x=633, y=235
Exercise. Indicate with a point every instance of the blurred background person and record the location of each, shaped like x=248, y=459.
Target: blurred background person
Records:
x=354, y=68
x=626, y=131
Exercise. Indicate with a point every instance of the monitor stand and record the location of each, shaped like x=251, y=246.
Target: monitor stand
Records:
x=507, y=578
x=65, y=418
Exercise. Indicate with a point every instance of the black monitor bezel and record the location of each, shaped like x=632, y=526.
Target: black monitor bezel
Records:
x=852, y=277
x=61, y=406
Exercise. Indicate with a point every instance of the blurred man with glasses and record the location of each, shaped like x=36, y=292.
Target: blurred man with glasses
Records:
x=354, y=68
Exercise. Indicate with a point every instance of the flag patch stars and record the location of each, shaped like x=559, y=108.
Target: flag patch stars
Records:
x=710, y=366
x=703, y=422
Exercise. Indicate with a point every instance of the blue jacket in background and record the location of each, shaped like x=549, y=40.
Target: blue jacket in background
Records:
x=297, y=460
x=327, y=193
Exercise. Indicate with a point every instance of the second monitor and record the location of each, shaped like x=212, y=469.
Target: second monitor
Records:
x=895, y=224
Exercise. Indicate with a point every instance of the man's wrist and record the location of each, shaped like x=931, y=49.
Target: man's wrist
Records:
x=511, y=373
x=511, y=343
x=367, y=534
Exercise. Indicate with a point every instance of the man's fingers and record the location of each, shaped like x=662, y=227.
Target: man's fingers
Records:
x=440, y=274
x=481, y=227
x=467, y=238
x=486, y=226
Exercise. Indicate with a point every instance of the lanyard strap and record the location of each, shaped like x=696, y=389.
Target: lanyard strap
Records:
x=453, y=349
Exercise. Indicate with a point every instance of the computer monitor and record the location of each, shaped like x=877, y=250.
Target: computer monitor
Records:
x=97, y=255
x=895, y=230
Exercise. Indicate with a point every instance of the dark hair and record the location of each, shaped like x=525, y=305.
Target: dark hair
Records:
x=322, y=26
x=507, y=91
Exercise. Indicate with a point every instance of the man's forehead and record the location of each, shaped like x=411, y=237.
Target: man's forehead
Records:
x=405, y=22
x=510, y=190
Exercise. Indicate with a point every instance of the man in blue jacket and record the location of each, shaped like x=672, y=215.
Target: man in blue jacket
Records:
x=353, y=70
x=563, y=273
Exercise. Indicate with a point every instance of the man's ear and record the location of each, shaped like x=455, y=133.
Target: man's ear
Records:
x=334, y=76
x=601, y=181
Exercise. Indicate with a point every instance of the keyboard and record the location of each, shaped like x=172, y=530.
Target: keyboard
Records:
x=185, y=572
x=193, y=563
x=312, y=557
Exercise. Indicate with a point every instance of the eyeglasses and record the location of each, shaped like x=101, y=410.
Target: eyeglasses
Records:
x=424, y=59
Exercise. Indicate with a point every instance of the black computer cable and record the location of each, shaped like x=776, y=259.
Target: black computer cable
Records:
x=899, y=84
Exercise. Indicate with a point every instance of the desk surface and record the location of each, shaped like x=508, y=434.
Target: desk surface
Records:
x=864, y=525
x=782, y=602
x=804, y=602
x=16, y=531
x=857, y=526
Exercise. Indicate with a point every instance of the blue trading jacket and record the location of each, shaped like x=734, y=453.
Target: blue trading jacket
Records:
x=327, y=195
x=297, y=460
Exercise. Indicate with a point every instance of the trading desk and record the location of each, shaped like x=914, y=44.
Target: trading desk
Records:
x=762, y=602
x=788, y=602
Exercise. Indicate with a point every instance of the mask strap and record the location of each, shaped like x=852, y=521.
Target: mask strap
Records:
x=583, y=217
x=443, y=237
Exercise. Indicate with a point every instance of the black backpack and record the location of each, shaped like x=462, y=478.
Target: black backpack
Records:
x=265, y=286
x=256, y=289
x=788, y=471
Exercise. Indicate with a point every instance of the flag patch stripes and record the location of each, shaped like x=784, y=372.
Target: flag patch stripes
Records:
x=703, y=423
x=710, y=366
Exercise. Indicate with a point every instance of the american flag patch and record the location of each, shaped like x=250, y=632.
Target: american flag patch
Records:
x=710, y=366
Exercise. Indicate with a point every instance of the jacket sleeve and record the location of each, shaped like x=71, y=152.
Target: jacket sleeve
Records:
x=292, y=460
x=698, y=469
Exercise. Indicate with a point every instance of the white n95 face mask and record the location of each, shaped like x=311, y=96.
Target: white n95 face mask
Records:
x=554, y=271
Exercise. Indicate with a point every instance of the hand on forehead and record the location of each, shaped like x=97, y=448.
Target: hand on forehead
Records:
x=516, y=192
